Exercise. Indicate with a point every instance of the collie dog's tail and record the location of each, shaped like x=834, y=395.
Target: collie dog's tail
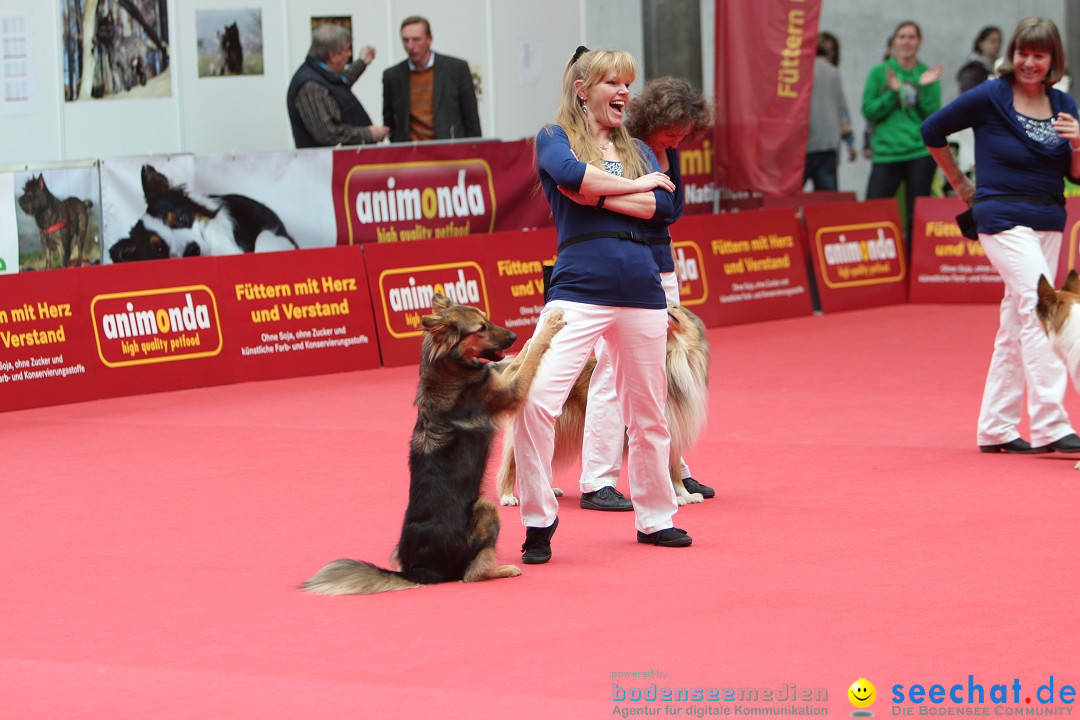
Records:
x=348, y=577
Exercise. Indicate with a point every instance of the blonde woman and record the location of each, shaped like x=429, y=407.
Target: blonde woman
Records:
x=603, y=187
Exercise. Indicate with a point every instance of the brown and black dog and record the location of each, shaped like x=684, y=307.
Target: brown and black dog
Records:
x=62, y=224
x=450, y=531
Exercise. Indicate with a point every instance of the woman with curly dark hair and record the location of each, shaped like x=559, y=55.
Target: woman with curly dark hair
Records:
x=667, y=111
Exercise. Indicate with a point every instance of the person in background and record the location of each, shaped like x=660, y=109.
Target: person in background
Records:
x=868, y=130
x=601, y=185
x=899, y=94
x=1027, y=140
x=830, y=122
x=667, y=111
x=978, y=67
x=428, y=96
x=323, y=111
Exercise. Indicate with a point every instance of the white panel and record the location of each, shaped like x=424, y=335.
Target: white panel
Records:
x=32, y=134
x=533, y=44
x=616, y=25
x=234, y=113
x=95, y=128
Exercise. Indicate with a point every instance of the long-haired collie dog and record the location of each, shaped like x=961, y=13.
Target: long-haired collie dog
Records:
x=1060, y=319
x=1056, y=310
x=450, y=531
x=178, y=223
x=686, y=410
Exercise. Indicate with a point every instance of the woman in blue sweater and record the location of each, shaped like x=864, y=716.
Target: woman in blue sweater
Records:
x=605, y=190
x=1026, y=141
x=662, y=115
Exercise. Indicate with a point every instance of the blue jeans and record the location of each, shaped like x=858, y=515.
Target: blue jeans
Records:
x=821, y=169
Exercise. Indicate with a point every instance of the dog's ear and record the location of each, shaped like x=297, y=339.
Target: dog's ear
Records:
x=1047, y=296
x=440, y=338
x=153, y=182
x=430, y=322
x=1072, y=282
x=440, y=302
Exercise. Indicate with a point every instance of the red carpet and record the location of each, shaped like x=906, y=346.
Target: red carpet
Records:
x=153, y=544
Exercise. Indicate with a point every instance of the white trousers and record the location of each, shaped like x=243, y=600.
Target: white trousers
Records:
x=1022, y=353
x=602, y=443
x=636, y=343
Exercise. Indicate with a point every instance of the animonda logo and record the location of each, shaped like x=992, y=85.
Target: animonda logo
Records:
x=154, y=326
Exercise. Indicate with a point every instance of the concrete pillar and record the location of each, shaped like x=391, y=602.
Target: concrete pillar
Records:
x=672, y=33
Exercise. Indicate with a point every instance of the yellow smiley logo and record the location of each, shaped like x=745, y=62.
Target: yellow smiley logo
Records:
x=861, y=693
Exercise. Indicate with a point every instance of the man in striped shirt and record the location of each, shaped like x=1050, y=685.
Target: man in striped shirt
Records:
x=323, y=111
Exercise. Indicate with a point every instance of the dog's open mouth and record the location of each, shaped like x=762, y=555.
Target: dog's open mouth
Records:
x=491, y=355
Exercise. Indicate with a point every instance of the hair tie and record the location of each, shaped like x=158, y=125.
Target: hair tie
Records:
x=578, y=53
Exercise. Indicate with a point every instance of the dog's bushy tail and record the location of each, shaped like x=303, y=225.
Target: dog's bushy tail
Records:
x=349, y=577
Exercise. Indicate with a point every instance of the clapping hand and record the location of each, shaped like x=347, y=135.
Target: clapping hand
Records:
x=891, y=81
x=932, y=74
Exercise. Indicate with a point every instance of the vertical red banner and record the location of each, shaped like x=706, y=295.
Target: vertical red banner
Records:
x=764, y=69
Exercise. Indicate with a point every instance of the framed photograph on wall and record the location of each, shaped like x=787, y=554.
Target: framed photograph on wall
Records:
x=229, y=42
x=114, y=49
x=344, y=21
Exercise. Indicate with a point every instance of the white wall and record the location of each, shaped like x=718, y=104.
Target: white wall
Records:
x=35, y=136
x=519, y=47
x=948, y=28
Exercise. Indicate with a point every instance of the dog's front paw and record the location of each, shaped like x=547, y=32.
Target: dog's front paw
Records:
x=554, y=322
x=1076, y=466
x=689, y=499
x=508, y=500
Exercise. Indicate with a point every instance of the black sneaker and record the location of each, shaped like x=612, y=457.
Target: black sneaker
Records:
x=693, y=486
x=669, y=537
x=606, y=498
x=536, y=549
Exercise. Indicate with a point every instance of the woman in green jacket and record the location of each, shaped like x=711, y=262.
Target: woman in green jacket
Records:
x=900, y=93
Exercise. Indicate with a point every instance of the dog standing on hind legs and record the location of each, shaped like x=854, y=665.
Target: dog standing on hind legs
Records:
x=450, y=531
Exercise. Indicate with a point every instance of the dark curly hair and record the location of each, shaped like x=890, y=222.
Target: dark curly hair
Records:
x=668, y=102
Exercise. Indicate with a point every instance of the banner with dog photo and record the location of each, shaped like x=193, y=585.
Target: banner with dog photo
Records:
x=185, y=206
x=130, y=230
x=58, y=217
